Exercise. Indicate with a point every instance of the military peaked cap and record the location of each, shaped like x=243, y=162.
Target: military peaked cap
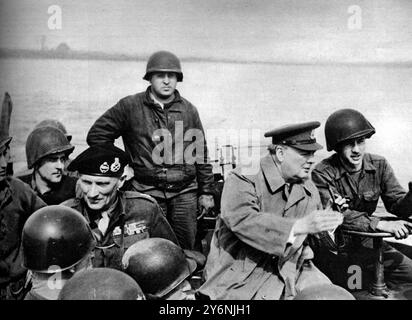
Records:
x=300, y=136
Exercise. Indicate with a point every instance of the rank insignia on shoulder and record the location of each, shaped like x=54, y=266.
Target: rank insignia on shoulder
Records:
x=117, y=231
x=135, y=228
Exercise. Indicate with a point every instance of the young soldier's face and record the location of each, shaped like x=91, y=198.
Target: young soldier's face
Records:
x=352, y=152
x=4, y=159
x=51, y=168
x=163, y=84
x=296, y=164
x=99, y=192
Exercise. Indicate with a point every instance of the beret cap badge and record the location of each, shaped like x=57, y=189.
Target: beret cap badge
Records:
x=104, y=167
x=115, y=166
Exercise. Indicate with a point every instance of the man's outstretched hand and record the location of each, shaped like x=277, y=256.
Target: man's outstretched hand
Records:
x=318, y=221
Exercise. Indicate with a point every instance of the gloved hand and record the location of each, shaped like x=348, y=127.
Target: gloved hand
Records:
x=205, y=204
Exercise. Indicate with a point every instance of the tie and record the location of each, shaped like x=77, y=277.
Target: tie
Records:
x=288, y=187
x=103, y=223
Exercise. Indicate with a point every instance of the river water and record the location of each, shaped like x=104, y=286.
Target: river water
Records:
x=237, y=102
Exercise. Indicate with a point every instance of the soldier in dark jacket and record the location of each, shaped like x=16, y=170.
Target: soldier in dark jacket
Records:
x=47, y=150
x=17, y=203
x=118, y=219
x=164, y=137
x=361, y=179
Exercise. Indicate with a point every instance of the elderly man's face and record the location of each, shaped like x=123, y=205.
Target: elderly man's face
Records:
x=99, y=192
x=163, y=84
x=296, y=164
x=4, y=159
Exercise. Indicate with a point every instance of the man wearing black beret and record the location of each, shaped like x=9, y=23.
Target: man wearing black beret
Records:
x=118, y=219
x=259, y=250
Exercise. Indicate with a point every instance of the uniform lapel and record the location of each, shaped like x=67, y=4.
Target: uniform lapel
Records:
x=296, y=194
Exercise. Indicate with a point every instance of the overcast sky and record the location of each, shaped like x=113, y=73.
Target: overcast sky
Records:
x=262, y=30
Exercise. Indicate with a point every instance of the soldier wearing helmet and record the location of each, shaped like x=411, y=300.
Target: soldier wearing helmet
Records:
x=358, y=179
x=47, y=150
x=101, y=284
x=17, y=203
x=57, y=242
x=56, y=124
x=118, y=219
x=157, y=127
x=160, y=268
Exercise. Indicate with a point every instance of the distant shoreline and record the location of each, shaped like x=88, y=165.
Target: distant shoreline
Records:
x=97, y=55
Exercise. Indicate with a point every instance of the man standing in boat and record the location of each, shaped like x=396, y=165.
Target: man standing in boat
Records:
x=164, y=138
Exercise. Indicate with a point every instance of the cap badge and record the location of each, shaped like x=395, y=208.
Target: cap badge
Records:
x=312, y=134
x=104, y=167
x=115, y=165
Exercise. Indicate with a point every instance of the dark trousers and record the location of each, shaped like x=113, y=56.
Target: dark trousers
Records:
x=397, y=266
x=181, y=213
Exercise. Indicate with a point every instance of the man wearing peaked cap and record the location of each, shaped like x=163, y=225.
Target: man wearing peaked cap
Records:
x=118, y=219
x=259, y=248
x=17, y=203
x=300, y=136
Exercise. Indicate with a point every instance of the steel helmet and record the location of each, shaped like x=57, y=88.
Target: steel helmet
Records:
x=158, y=265
x=163, y=61
x=56, y=124
x=55, y=238
x=324, y=292
x=45, y=141
x=346, y=124
x=101, y=284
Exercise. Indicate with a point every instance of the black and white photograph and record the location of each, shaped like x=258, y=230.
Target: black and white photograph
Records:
x=221, y=151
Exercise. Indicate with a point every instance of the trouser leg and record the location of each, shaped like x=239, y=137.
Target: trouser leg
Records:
x=397, y=266
x=181, y=213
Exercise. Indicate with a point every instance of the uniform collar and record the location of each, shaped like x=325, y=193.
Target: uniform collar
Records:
x=33, y=182
x=274, y=178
